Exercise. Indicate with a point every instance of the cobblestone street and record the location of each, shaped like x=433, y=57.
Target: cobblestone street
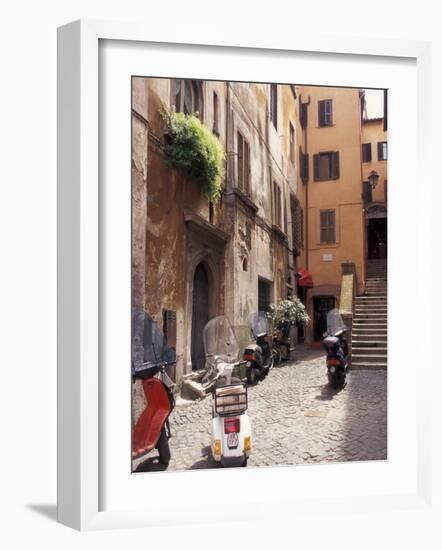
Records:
x=296, y=419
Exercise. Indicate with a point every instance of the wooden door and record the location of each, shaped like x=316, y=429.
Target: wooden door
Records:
x=321, y=306
x=200, y=315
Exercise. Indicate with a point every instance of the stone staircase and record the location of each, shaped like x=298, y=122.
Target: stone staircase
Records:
x=369, y=336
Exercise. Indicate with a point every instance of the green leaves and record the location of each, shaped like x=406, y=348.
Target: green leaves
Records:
x=192, y=148
x=291, y=312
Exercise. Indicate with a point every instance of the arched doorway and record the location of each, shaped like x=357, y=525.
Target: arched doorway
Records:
x=200, y=315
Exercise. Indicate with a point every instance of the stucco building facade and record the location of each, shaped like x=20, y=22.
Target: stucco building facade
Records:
x=193, y=259
x=341, y=209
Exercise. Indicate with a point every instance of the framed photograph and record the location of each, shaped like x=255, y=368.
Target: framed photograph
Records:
x=231, y=289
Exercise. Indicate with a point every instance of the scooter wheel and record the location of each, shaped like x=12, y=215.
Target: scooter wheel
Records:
x=163, y=448
x=252, y=376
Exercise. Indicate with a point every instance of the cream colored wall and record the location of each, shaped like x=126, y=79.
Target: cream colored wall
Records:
x=373, y=132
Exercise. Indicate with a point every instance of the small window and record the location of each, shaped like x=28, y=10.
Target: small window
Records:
x=277, y=205
x=327, y=229
x=187, y=98
x=215, y=114
x=264, y=290
x=292, y=142
x=303, y=165
x=326, y=166
x=274, y=105
x=303, y=113
x=243, y=164
x=325, y=112
x=382, y=150
x=366, y=152
x=245, y=265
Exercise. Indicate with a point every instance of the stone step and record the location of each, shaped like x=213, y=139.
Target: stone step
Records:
x=370, y=308
x=359, y=334
x=363, y=343
x=369, y=358
x=367, y=324
x=365, y=351
x=362, y=318
x=360, y=365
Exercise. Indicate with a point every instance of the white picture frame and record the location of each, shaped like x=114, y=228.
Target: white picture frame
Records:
x=80, y=444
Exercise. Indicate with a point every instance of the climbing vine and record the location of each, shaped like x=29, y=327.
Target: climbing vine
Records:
x=191, y=147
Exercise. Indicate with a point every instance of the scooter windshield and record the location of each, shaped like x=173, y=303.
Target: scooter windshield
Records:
x=219, y=340
x=155, y=345
x=335, y=324
x=259, y=324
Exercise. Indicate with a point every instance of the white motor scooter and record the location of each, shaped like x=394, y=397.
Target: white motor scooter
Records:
x=231, y=427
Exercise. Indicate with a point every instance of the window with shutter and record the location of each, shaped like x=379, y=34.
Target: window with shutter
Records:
x=382, y=150
x=303, y=165
x=215, y=114
x=274, y=104
x=327, y=227
x=292, y=142
x=335, y=165
x=326, y=166
x=366, y=152
x=303, y=113
x=325, y=112
x=243, y=163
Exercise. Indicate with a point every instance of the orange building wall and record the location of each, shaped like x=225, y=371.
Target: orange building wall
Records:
x=344, y=195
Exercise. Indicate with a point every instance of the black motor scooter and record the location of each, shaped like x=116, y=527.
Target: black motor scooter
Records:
x=258, y=354
x=336, y=347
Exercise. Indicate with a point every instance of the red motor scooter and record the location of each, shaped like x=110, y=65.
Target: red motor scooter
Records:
x=152, y=429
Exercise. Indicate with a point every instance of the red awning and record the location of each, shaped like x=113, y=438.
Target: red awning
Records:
x=304, y=278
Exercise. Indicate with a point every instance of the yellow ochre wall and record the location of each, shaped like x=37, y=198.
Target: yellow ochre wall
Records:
x=373, y=132
x=344, y=195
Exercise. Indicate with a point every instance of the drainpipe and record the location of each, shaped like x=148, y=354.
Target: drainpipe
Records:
x=306, y=195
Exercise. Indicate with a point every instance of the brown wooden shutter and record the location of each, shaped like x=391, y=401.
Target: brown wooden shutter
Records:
x=321, y=113
x=335, y=165
x=240, y=162
x=316, y=167
x=331, y=227
x=246, y=167
x=329, y=109
x=379, y=150
x=323, y=226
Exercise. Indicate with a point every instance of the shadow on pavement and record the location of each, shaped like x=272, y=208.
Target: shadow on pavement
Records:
x=328, y=393
x=206, y=461
x=152, y=464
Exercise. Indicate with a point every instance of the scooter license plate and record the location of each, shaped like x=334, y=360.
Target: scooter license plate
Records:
x=232, y=440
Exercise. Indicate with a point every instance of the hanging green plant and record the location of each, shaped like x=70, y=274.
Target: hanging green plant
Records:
x=193, y=148
x=288, y=312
